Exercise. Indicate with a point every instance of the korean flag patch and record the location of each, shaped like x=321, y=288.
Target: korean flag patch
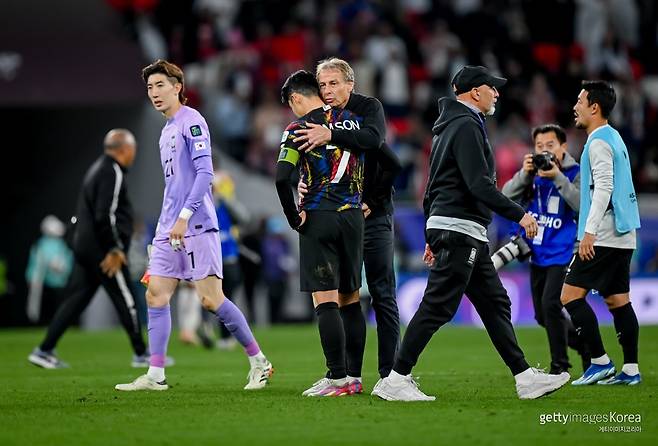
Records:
x=199, y=145
x=195, y=130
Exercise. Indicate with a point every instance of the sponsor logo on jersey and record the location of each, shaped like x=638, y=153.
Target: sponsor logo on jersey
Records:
x=347, y=124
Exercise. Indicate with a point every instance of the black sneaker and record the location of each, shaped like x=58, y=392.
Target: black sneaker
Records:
x=46, y=360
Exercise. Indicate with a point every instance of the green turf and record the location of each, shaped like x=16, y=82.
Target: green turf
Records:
x=476, y=401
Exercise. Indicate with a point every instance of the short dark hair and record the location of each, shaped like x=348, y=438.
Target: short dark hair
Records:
x=602, y=93
x=547, y=128
x=173, y=73
x=302, y=82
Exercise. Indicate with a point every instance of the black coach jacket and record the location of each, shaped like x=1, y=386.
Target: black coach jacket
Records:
x=104, y=215
x=462, y=174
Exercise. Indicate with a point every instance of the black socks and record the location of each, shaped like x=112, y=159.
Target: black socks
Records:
x=627, y=329
x=355, y=337
x=587, y=325
x=332, y=337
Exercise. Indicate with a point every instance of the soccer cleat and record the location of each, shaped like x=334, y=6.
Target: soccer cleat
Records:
x=259, y=375
x=594, y=374
x=354, y=385
x=328, y=387
x=405, y=389
x=316, y=386
x=47, y=360
x=622, y=379
x=142, y=383
x=141, y=361
x=540, y=384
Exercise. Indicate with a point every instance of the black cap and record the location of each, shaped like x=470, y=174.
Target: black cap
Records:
x=472, y=76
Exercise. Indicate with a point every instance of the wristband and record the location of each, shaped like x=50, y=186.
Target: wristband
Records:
x=185, y=214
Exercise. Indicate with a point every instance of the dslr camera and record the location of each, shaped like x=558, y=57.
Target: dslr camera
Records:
x=516, y=248
x=542, y=161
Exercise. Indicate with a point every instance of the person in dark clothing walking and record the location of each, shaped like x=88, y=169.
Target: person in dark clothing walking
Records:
x=103, y=226
x=336, y=79
x=460, y=195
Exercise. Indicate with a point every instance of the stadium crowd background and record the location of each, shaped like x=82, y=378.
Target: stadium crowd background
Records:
x=237, y=53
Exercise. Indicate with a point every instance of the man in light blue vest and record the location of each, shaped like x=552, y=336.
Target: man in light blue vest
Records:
x=607, y=223
x=548, y=186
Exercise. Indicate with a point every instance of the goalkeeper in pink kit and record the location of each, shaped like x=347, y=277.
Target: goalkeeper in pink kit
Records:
x=186, y=244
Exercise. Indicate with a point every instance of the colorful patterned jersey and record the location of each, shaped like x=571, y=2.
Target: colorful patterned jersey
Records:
x=334, y=175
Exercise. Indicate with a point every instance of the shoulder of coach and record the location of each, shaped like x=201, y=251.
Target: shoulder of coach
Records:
x=360, y=104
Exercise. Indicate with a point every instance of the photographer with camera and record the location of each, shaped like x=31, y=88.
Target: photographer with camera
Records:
x=548, y=187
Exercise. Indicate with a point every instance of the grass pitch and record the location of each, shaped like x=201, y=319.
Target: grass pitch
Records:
x=476, y=400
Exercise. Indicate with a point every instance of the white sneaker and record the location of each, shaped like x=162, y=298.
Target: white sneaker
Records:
x=377, y=384
x=328, y=387
x=142, y=383
x=405, y=389
x=258, y=375
x=540, y=384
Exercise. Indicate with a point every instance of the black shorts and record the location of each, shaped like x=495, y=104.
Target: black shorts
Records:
x=331, y=251
x=608, y=272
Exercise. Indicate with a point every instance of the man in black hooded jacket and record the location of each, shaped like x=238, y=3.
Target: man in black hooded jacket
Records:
x=460, y=195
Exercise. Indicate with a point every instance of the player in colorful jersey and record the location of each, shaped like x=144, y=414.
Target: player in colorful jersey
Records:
x=330, y=225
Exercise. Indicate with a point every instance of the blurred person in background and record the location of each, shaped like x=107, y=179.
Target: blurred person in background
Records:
x=231, y=214
x=278, y=263
x=137, y=265
x=48, y=271
x=251, y=262
x=549, y=188
x=101, y=238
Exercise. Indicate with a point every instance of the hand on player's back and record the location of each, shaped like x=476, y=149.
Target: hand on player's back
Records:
x=314, y=135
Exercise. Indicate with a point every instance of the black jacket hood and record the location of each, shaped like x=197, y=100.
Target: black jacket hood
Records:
x=449, y=110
